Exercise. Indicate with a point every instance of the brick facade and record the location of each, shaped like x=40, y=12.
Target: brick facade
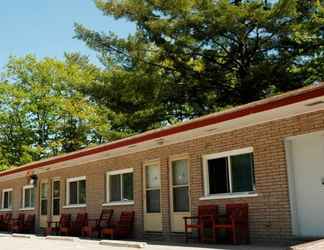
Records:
x=269, y=212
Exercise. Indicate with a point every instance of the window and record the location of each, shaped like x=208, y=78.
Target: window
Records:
x=76, y=191
x=56, y=198
x=7, y=198
x=28, y=196
x=43, y=198
x=120, y=186
x=229, y=172
x=180, y=185
x=152, y=186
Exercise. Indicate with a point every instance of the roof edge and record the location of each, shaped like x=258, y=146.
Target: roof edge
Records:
x=270, y=103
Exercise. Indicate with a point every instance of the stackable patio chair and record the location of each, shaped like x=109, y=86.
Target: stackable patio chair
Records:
x=5, y=222
x=77, y=225
x=207, y=215
x=123, y=228
x=29, y=224
x=17, y=224
x=24, y=224
x=59, y=227
x=94, y=226
x=235, y=222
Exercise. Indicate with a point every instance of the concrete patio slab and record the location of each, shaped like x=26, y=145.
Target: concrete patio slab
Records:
x=8, y=242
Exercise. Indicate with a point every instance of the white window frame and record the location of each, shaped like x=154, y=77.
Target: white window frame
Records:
x=2, y=199
x=207, y=195
x=122, y=202
x=68, y=181
x=23, y=197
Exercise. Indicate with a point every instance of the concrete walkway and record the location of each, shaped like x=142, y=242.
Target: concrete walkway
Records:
x=7, y=242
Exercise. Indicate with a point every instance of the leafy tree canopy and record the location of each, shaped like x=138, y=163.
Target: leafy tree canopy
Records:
x=41, y=112
x=192, y=57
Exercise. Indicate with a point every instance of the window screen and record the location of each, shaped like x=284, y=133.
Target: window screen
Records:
x=153, y=201
x=115, y=188
x=242, y=172
x=121, y=187
x=7, y=196
x=180, y=199
x=127, y=186
x=77, y=192
x=73, y=192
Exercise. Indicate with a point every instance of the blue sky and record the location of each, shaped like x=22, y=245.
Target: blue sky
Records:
x=45, y=27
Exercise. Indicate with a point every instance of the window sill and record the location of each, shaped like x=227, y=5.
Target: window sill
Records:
x=75, y=206
x=6, y=210
x=27, y=209
x=118, y=203
x=228, y=196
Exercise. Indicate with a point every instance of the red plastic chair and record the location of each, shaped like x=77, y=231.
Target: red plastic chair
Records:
x=77, y=225
x=5, y=222
x=123, y=228
x=95, y=225
x=59, y=227
x=29, y=224
x=207, y=215
x=236, y=222
x=65, y=225
x=16, y=225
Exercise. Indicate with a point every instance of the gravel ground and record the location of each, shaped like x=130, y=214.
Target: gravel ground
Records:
x=8, y=242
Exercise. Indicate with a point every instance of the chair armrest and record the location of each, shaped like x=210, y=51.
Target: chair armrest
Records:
x=238, y=219
x=207, y=219
x=204, y=217
x=13, y=220
x=191, y=217
x=50, y=223
x=93, y=221
x=113, y=224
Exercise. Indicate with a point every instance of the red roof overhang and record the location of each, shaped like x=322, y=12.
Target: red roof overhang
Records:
x=287, y=99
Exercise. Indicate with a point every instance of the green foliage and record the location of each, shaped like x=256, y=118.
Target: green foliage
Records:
x=43, y=114
x=192, y=57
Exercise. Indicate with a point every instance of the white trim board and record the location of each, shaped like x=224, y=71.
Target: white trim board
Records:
x=281, y=113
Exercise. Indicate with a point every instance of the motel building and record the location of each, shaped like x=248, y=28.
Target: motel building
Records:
x=268, y=154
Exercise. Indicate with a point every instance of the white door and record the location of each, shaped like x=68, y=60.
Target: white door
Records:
x=152, y=200
x=179, y=193
x=307, y=163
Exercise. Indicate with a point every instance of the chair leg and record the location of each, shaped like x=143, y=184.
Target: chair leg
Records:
x=214, y=232
x=234, y=236
x=199, y=234
x=202, y=234
x=186, y=234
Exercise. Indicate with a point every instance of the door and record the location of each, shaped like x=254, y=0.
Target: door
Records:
x=307, y=163
x=43, y=195
x=179, y=193
x=56, y=200
x=152, y=188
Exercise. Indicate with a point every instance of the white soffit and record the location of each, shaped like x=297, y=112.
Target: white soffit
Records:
x=291, y=110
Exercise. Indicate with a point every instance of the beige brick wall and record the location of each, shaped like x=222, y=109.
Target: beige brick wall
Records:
x=269, y=212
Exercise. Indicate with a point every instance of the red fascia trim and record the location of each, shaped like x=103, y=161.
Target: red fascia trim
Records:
x=181, y=128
